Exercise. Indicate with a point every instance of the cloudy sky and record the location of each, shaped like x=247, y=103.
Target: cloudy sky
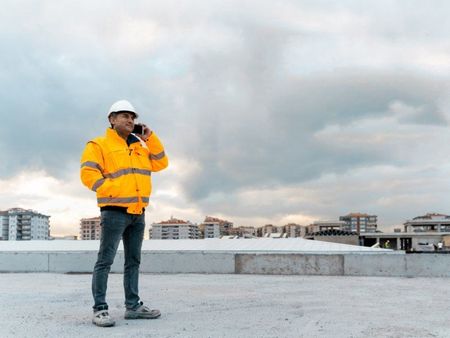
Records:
x=270, y=111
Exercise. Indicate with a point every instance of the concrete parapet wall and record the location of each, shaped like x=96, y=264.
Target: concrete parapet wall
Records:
x=23, y=262
x=79, y=262
x=290, y=264
x=361, y=264
x=187, y=262
x=375, y=265
x=427, y=265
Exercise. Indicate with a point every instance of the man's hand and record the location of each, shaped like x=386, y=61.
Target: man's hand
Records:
x=147, y=133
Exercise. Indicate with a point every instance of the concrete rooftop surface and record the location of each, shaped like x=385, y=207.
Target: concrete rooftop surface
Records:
x=208, y=305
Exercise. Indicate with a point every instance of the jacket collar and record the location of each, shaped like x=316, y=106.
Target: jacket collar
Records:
x=111, y=133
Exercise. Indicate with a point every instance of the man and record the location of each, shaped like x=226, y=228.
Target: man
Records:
x=118, y=167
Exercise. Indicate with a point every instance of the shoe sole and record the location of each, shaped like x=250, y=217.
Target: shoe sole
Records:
x=103, y=325
x=140, y=316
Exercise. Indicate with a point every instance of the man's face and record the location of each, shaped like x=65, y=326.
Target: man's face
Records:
x=123, y=122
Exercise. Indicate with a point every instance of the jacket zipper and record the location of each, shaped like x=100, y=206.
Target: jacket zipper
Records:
x=138, y=193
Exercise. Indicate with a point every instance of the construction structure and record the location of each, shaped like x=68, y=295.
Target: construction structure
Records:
x=430, y=222
x=174, y=229
x=90, y=228
x=429, y=232
x=335, y=236
x=318, y=226
x=19, y=224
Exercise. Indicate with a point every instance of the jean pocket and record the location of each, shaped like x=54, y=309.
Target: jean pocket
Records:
x=113, y=219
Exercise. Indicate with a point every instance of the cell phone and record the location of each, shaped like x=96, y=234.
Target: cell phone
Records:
x=138, y=129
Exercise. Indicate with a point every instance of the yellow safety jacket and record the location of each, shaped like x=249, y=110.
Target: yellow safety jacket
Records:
x=120, y=171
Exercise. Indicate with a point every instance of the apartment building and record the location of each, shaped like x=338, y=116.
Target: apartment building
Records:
x=19, y=224
x=4, y=221
x=90, y=228
x=294, y=230
x=244, y=232
x=174, y=229
x=359, y=223
x=269, y=229
x=210, y=230
x=213, y=227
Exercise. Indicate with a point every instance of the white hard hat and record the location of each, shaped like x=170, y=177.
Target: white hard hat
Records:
x=122, y=106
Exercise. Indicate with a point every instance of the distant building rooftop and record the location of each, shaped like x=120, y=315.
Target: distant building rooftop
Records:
x=329, y=222
x=431, y=216
x=174, y=221
x=356, y=214
x=209, y=219
x=19, y=211
x=334, y=232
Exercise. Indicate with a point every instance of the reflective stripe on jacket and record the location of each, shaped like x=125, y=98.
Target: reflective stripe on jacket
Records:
x=120, y=174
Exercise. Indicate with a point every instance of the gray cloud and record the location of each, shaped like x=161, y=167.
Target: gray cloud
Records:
x=274, y=142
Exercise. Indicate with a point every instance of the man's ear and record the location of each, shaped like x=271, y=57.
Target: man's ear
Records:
x=111, y=120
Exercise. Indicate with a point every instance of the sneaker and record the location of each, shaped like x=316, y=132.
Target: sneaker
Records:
x=102, y=318
x=142, y=312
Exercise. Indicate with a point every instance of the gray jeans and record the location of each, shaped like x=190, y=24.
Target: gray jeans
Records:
x=118, y=225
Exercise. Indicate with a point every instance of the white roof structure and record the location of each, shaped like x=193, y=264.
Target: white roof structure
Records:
x=259, y=245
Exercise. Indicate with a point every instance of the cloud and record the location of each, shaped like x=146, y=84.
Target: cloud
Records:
x=276, y=143
x=254, y=101
x=65, y=201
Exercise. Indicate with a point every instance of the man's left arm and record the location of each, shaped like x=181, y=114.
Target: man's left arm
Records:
x=158, y=157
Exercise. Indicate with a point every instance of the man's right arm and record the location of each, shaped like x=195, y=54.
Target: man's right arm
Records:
x=92, y=171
